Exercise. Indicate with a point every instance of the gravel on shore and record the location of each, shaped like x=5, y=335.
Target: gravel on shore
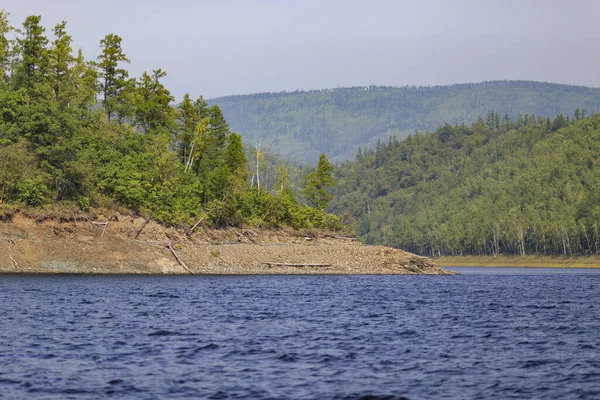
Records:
x=110, y=246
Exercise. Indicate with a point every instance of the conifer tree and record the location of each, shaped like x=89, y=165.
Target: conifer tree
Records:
x=5, y=49
x=32, y=66
x=152, y=105
x=316, y=184
x=113, y=78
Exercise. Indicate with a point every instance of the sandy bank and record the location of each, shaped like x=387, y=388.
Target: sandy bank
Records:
x=518, y=261
x=92, y=246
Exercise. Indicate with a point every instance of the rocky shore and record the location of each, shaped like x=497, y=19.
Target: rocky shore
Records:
x=129, y=245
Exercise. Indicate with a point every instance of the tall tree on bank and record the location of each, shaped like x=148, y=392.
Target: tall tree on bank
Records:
x=153, y=109
x=32, y=67
x=30, y=75
x=317, y=184
x=113, y=79
x=193, y=120
x=60, y=60
x=5, y=29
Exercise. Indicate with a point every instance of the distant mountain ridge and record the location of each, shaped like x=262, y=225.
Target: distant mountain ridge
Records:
x=304, y=124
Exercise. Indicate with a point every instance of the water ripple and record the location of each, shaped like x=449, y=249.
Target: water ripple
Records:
x=300, y=337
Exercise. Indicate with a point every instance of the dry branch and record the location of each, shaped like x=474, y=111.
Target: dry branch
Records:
x=168, y=246
x=196, y=224
x=276, y=264
x=343, y=237
x=178, y=259
x=161, y=245
x=137, y=233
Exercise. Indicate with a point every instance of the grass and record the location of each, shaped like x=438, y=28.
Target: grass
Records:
x=518, y=261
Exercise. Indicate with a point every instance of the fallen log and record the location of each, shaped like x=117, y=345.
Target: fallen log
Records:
x=137, y=233
x=179, y=260
x=276, y=264
x=196, y=225
x=168, y=246
x=155, y=244
x=340, y=237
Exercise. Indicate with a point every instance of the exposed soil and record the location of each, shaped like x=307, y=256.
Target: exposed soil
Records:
x=85, y=246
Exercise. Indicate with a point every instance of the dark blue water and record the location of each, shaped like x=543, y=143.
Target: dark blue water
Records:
x=301, y=337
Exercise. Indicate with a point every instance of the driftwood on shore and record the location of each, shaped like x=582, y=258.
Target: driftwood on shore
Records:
x=195, y=225
x=137, y=233
x=277, y=264
x=171, y=249
x=179, y=259
x=105, y=224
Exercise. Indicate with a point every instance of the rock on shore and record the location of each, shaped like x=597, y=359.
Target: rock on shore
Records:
x=109, y=246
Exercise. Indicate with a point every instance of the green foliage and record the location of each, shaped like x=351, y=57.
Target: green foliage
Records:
x=303, y=125
x=5, y=29
x=33, y=191
x=152, y=107
x=180, y=165
x=495, y=187
x=33, y=61
x=113, y=78
x=16, y=164
x=84, y=203
x=317, y=183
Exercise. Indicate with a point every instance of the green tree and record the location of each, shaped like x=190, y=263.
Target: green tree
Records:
x=113, y=78
x=16, y=164
x=152, y=105
x=83, y=78
x=317, y=184
x=5, y=49
x=216, y=137
x=32, y=66
x=188, y=118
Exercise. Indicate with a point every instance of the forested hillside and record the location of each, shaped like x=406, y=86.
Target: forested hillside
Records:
x=339, y=121
x=530, y=186
x=83, y=133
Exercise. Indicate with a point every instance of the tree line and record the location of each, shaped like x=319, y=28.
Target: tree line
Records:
x=524, y=186
x=304, y=124
x=77, y=131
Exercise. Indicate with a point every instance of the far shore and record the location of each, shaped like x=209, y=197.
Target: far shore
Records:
x=519, y=261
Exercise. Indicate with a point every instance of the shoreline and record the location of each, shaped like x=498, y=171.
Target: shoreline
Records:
x=128, y=245
x=519, y=261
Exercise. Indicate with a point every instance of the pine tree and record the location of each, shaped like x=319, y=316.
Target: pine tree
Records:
x=113, y=79
x=61, y=58
x=188, y=118
x=5, y=49
x=152, y=106
x=316, y=184
x=32, y=65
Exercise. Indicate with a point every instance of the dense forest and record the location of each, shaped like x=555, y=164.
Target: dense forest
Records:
x=337, y=122
x=498, y=186
x=77, y=132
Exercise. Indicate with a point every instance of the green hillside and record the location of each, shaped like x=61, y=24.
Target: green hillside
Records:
x=337, y=122
x=496, y=187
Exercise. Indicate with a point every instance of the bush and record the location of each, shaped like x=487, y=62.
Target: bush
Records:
x=33, y=192
x=84, y=203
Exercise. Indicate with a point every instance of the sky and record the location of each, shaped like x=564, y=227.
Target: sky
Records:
x=223, y=47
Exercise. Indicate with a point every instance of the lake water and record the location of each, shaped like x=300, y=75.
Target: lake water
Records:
x=507, y=334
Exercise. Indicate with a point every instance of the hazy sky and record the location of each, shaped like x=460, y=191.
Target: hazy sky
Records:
x=221, y=47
